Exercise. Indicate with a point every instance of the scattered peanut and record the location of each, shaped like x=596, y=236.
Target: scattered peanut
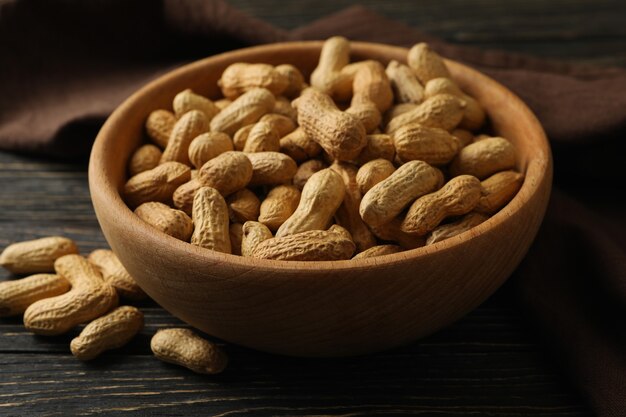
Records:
x=16, y=295
x=271, y=168
x=114, y=273
x=89, y=298
x=185, y=348
x=37, y=255
x=111, y=331
x=253, y=233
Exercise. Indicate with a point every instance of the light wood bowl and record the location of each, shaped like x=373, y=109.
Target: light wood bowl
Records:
x=319, y=308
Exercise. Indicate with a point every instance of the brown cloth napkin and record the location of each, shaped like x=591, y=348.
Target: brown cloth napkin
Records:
x=66, y=64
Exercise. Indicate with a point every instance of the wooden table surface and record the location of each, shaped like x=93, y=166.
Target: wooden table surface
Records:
x=491, y=362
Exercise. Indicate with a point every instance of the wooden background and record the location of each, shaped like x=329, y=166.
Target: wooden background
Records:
x=492, y=362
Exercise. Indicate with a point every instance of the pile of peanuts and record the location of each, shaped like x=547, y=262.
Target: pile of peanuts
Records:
x=64, y=290
x=365, y=161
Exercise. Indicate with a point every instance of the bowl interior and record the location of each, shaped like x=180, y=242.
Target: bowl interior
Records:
x=188, y=290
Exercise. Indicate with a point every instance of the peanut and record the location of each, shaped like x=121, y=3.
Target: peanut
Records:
x=327, y=76
x=299, y=146
x=338, y=133
x=16, y=295
x=107, y=332
x=465, y=137
x=241, y=137
x=271, y=168
x=89, y=297
x=114, y=274
x=397, y=110
x=366, y=112
x=283, y=107
x=159, y=125
x=143, y=159
x=253, y=233
x=281, y=202
x=235, y=231
x=429, y=144
x=378, y=146
x=188, y=127
x=449, y=230
x=373, y=172
x=378, y=250
x=443, y=111
x=157, y=184
x=175, y=223
x=484, y=158
x=245, y=110
x=187, y=100
x=265, y=135
x=241, y=77
x=498, y=190
x=207, y=146
x=388, y=198
x=474, y=115
x=321, y=196
x=37, y=255
x=210, y=219
x=222, y=103
x=459, y=196
x=405, y=84
x=426, y=63
x=183, y=195
x=185, y=348
x=227, y=173
x=347, y=215
x=294, y=77
x=243, y=205
x=370, y=85
x=305, y=170
x=312, y=245
x=392, y=232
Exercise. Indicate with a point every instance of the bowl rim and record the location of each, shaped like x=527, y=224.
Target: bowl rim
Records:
x=107, y=191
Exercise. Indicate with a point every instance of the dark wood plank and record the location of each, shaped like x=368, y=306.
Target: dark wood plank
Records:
x=576, y=30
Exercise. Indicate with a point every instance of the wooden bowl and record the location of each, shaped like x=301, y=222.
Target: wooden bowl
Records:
x=319, y=308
